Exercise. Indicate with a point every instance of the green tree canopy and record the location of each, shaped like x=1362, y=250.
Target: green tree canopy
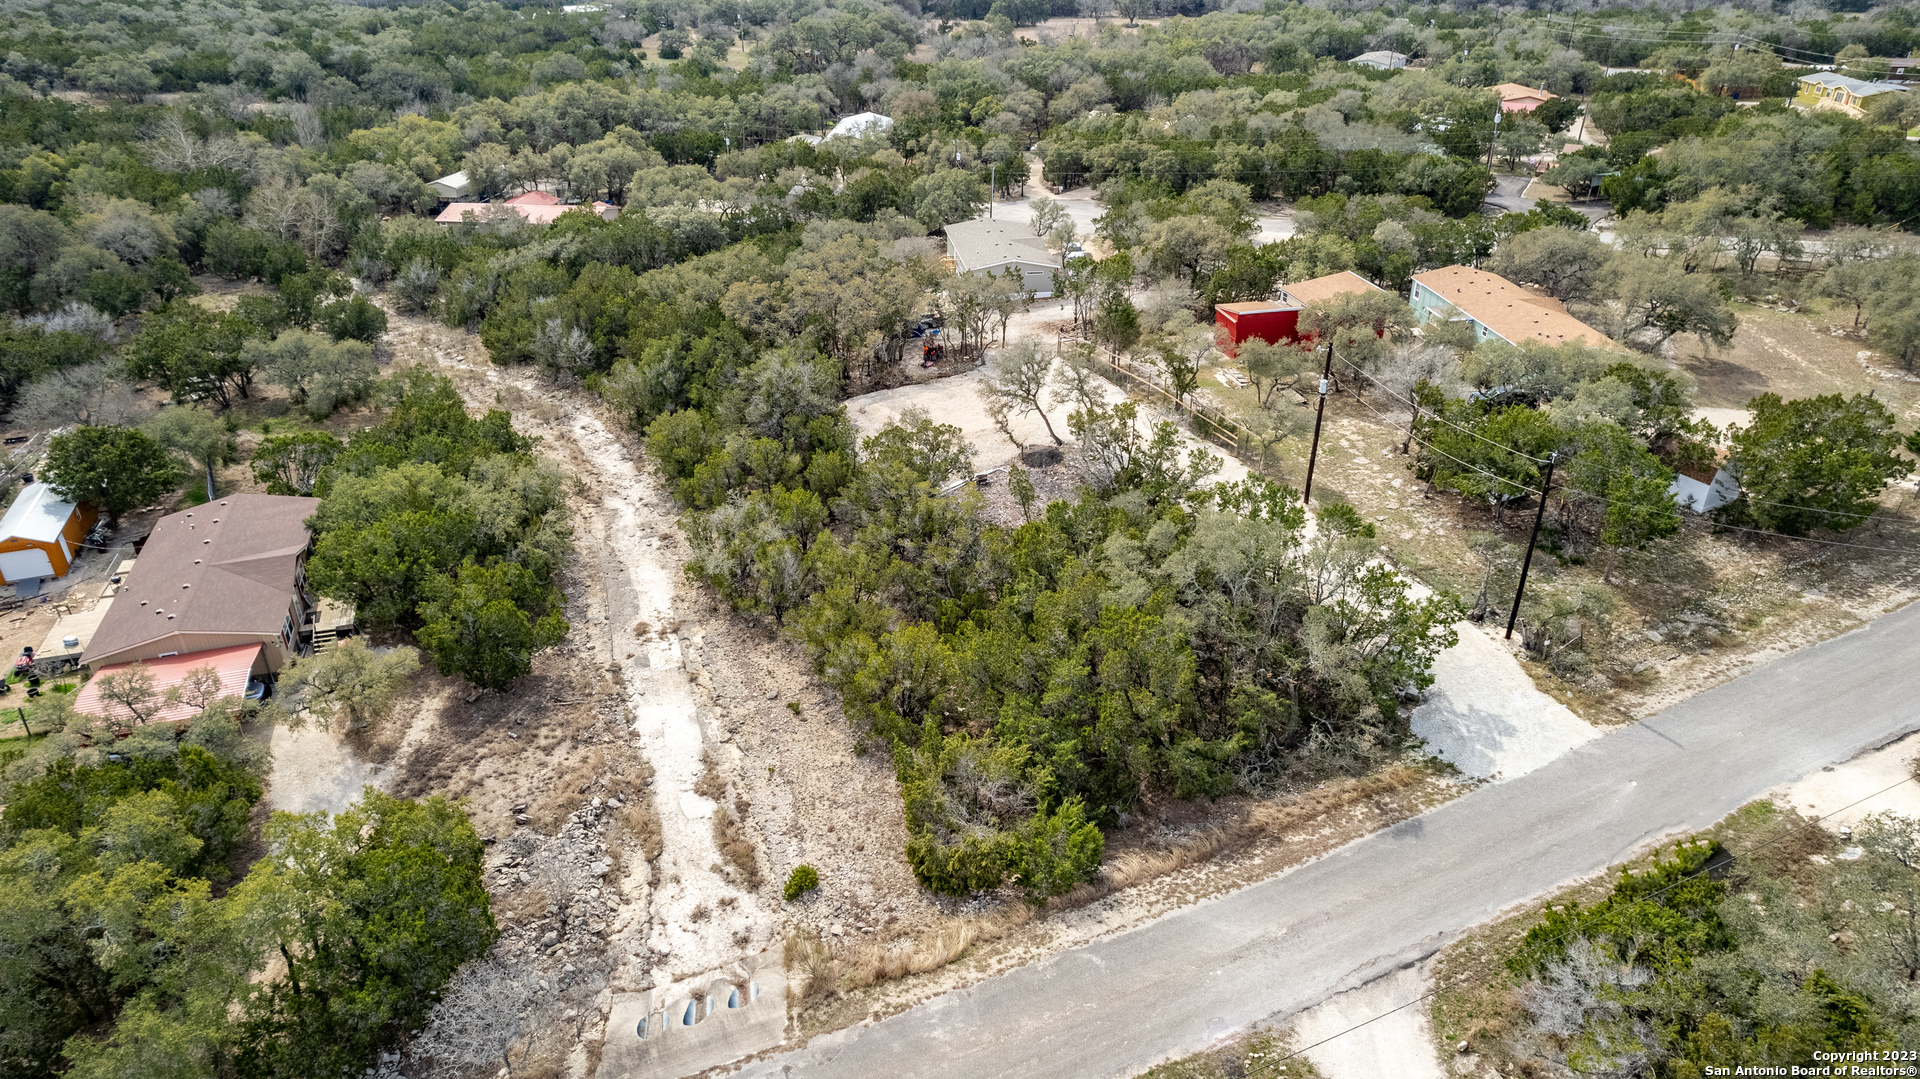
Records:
x=114, y=468
x=1818, y=462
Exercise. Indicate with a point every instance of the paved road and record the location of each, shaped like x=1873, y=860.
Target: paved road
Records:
x=1171, y=987
x=1505, y=196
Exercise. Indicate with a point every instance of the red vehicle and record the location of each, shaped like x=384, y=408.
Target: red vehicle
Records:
x=932, y=349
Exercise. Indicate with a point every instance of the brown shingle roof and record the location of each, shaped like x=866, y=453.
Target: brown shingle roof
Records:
x=230, y=566
x=1509, y=310
x=1326, y=288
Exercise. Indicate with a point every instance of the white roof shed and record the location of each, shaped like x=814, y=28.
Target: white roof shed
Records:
x=860, y=125
x=451, y=186
x=38, y=515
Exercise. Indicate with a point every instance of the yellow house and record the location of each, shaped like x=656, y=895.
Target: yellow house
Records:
x=1827, y=90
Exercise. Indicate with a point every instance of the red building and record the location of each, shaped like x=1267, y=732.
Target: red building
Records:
x=1278, y=320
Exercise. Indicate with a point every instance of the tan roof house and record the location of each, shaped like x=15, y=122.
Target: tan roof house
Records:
x=218, y=576
x=1517, y=98
x=1498, y=308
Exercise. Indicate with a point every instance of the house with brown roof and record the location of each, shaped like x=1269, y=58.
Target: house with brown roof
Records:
x=226, y=574
x=1498, y=309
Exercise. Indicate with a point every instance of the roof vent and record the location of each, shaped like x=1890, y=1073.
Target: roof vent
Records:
x=186, y=586
x=196, y=561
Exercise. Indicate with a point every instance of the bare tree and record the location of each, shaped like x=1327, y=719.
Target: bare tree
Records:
x=93, y=394
x=199, y=689
x=1015, y=381
x=481, y=1017
x=1403, y=373
x=352, y=680
x=132, y=691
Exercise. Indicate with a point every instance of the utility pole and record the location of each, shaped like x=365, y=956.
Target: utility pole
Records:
x=1527, y=563
x=993, y=176
x=1314, y=453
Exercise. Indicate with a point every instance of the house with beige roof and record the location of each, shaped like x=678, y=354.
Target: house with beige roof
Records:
x=1517, y=98
x=1498, y=309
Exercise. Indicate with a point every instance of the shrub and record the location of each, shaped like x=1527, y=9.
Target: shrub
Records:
x=802, y=880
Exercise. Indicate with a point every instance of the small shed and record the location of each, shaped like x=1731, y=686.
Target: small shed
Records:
x=1701, y=490
x=452, y=186
x=41, y=535
x=1278, y=320
x=1272, y=321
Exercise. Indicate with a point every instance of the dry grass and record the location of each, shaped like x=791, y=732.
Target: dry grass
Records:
x=730, y=836
x=569, y=788
x=642, y=824
x=812, y=970
x=1266, y=818
x=875, y=963
x=1264, y=1054
x=711, y=785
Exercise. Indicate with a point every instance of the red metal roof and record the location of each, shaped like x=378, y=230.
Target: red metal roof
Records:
x=233, y=666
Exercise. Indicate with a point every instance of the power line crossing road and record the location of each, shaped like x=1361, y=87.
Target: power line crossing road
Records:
x=1177, y=984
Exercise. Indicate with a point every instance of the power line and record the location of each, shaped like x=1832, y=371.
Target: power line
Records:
x=1583, y=924
x=1864, y=517
x=1437, y=416
x=1806, y=539
x=1492, y=476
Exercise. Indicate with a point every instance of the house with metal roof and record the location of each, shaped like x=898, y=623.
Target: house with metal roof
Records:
x=1830, y=90
x=861, y=125
x=1382, y=60
x=1278, y=319
x=1002, y=247
x=452, y=186
x=40, y=536
x=1498, y=309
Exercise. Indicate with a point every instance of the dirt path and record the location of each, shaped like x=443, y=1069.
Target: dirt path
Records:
x=699, y=917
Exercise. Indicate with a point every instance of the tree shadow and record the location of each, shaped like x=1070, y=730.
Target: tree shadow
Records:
x=1726, y=382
